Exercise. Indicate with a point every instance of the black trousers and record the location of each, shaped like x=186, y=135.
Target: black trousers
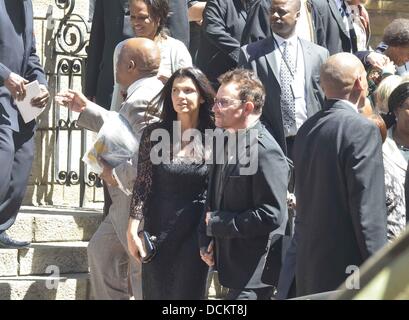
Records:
x=107, y=200
x=290, y=145
x=250, y=294
x=16, y=159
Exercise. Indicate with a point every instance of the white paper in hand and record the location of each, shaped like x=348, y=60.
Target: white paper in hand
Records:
x=27, y=111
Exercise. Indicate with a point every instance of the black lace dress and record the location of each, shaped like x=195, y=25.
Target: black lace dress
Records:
x=171, y=199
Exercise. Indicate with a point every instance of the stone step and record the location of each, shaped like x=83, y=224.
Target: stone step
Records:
x=45, y=258
x=8, y=262
x=65, y=287
x=52, y=224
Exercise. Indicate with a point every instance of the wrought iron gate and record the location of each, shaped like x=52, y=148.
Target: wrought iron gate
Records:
x=64, y=52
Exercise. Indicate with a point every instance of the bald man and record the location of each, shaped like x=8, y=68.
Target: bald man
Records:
x=341, y=211
x=108, y=256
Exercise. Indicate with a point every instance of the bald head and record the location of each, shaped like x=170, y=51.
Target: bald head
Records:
x=144, y=53
x=343, y=77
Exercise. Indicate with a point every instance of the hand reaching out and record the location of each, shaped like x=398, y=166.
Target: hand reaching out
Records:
x=73, y=100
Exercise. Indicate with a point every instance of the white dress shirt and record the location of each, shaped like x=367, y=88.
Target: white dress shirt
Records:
x=296, y=53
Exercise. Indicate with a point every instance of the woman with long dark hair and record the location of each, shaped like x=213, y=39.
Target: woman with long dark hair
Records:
x=169, y=191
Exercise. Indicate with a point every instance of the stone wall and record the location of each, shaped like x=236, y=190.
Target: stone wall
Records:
x=382, y=12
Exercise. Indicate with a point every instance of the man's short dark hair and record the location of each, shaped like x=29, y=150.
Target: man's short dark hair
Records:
x=249, y=85
x=396, y=34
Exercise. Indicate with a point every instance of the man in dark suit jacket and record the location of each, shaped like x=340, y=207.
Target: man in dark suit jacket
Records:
x=178, y=21
x=265, y=58
x=195, y=11
x=331, y=31
x=19, y=65
x=222, y=27
x=341, y=212
x=110, y=25
x=246, y=204
x=258, y=26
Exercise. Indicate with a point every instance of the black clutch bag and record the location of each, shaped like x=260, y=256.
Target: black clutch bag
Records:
x=149, y=245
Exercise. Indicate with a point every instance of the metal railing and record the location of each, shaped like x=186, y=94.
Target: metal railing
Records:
x=64, y=57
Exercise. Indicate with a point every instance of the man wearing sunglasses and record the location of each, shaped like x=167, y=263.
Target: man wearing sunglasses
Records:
x=246, y=207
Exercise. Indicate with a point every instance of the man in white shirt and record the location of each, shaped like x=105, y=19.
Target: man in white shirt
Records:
x=289, y=67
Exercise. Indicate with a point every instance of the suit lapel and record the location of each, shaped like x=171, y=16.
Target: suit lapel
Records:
x=271, y=58
x=308, y=56
x=230, y=168
x=227, y=171
x=214, y=188
x=211, y=188
x=336, y=14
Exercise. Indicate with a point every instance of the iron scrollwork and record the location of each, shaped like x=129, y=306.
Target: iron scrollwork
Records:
x=70, y=36
x=70, y=41
x=94, y=180
x=67, y=67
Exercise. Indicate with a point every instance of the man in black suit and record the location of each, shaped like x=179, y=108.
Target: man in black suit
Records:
x=222, y=28
x=288, y=66
x=333, y=26
x=178, y=21
x=246, y=204
x=110, y=25
x=196, y=8
x=341, y=212
x=19, y=65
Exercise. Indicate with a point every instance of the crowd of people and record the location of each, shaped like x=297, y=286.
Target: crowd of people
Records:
x=273, y=148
